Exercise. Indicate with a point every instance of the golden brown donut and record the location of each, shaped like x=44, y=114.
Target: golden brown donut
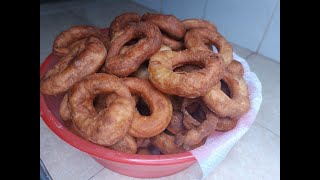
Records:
x=198, y=23
x=190, y=85
x=226, y=124
x=194, y=136
x=159, y=105
x=175, y=45
x=168, y=24
x=81, y=61
x=121, y=21
x=176, y=124
x=235, y=67
x=64, y=109
x=197, y=38
x=192, y=113
x=127, y=145
x=61, y=44
x=109, y=125
x=144, y=151
x=124, y=64
x=236, y=105
x=143, y=142
x=166, y=144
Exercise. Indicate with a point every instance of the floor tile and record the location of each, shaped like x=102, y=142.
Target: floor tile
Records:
x=63, y=161
x=103, y=14
x=268, y=72
x=255, y=156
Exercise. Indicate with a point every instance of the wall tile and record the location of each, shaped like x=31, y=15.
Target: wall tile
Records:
x=184, y=9
x=271, y=43
x=152, y=4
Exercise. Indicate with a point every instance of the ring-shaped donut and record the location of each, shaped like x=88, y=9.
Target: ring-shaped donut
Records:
x=198, y=38
x=235, y=67
x=198, y=23
x=192, y=84
x=67, y=39
x=236, y=105
x=158, y=103
x=110, y=124
x=121, y=21
x=81, y=61
x=194, y=136
x=124, y=64
x=168, y=24
x=127, y=145
x=175, y=45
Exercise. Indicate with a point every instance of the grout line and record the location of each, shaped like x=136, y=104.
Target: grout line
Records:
x=268, y=25
x=267, y=129
x=205, y=9
x=253, y=53
x=96, y=173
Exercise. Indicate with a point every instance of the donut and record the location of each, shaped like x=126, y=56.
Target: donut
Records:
x=159, y=104
x=127, y=145
x=166, y=144
x=175, y=45
x=143, y=142
x=64, y=42
x=198, y=23
x=168, y=24
x=194, y=136
x=109, y=125
x=235, y=67
x=121, y=21
x=226, y=124
x=198, y=39
x=64, y=109
x=124, y=64
x=144, y=151
x=223, y=105
x=191, y=85
x=176, y=124
x=84, y=59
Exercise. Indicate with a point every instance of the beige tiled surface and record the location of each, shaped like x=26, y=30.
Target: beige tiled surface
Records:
x=255, y=156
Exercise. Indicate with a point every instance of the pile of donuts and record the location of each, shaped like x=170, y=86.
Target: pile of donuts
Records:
x=150, y=84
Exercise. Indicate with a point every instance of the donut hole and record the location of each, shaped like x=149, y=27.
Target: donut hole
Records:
x=168, y=132
x=195, y=110
x=187, y=68
x=143, y=107
x=225, y=88
x=132, y=42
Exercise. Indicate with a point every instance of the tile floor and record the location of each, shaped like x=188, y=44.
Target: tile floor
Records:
x=255, y=156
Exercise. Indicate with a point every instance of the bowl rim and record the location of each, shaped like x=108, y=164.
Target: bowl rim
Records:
x=99, y=151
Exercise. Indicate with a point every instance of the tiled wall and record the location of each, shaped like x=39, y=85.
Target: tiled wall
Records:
x=253, y=24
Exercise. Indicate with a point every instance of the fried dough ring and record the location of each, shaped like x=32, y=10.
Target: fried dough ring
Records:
x=159, y=105
x=191, y=85
x=81, y=61
x=224, y=106
x=194, y=136
x=235, y=67
x=226, y=124
x=144, y=151
x=64, y=109
x=124, y=64
x=176, y=124
x=175, y=45
x=109, y=125
x=143, y=142
x=198, y=38
x=166, y=144
x=127, y=145
x=65, y=40
x=121, y=21
x=166, y=23
x=198, y=23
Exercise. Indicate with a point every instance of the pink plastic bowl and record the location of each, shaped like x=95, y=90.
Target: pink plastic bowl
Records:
x=142, y=166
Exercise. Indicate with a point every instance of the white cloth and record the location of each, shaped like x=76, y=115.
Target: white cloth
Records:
x=219, y=144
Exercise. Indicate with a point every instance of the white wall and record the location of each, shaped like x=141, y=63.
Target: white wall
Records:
x=253, y=24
